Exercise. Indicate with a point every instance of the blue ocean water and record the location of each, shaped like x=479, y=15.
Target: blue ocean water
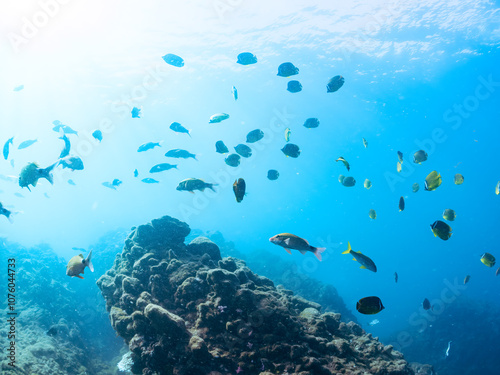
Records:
x=417, y=76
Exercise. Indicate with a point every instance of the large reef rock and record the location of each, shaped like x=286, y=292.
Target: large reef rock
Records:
x=183, y=310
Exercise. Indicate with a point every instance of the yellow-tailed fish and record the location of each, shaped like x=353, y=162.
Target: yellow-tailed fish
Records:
x=372, y=214
x=366, y=262
x=432, y=181
x=368, y=184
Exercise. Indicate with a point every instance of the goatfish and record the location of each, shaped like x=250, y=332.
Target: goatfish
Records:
x=77, y=264
x=366, y=262
x=292, y=242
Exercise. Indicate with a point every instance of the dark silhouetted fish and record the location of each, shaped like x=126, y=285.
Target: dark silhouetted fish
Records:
x=294, y=87
x=369, y=305
x=255, y=136
x=287, y=69
x=221, y=148
x=243, y=150
x=273, y=174
x=334, y=84
x=239, y=188
x=233, y=160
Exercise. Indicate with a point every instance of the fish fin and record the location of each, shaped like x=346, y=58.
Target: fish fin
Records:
x=288, y=250
x=287, y=241
x=89, y=262
x=303, y=251
x=363, y=267
x=354, y=259
x=318, y=251
x=80, y=277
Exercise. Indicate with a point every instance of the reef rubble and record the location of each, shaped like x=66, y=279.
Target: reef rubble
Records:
x=182, y=309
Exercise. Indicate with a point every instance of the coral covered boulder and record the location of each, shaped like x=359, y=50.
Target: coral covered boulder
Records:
x=183, y=310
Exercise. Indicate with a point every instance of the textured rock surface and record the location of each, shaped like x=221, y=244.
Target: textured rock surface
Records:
x=184, y=310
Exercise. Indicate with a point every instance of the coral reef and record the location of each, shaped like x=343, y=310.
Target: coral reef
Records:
x=182, y=309
x=62, y=327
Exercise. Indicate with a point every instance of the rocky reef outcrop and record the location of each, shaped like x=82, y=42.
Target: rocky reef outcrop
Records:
x=182, y=309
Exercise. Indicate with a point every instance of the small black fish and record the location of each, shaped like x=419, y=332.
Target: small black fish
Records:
x=291, y=150
x=233, y=160
x=396, y=277
x=97, y=135
x=287, y=69
x=239, y=188
x=401, y=204
x=369, y=305
x=221, y=148
x=273, y=174
x=243, y=150
x=246, y=58
x=334, y=84
x=294, y=87
x=311, y=123
x=441, y=230
x=426, y=304
x=255, y=135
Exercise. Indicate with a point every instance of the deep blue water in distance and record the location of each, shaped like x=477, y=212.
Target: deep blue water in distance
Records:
x=397, y=100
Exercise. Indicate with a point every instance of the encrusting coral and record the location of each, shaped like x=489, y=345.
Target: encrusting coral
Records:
x=183, y=310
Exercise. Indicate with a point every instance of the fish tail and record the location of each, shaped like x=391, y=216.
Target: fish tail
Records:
x=211, y=186
x=88, y=261
x=348, y=248
x=45, y=173
x=318, y=251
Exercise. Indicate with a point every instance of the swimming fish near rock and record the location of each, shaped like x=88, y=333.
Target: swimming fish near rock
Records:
x=239, y=188
x=218, y=117
x=246, y=58
x=287, y=69
x=150, y=180
x=233, y=160
x=243, y=150
x=26, y=144
x=255, y=136
x=334, y=84
x=459, y=179
x=345, y=163
x=273, y=174
x=366, y=262
x=291, y=150
x=173, y=60
x=294, y=87
x=97, y=134
x=162, y=167
x=311, y=123
x=149, y=146
x=6, y=147
x=178, y=128
x=136, y=112
x=221, y=148
x=191, y=184
x=372, y=214
x=31, y=173
x=292, y=242
x=441, y=230
x=369, y=305
x=419, y=156
x=415, y=187
x=488, y=260
x=449, y=214
x=67, y=146
x=367, y=184
x=179, y=153
x=401, y=204
x=72, y=162
x=432, y=181
x=77, y=265
x=5, y=212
